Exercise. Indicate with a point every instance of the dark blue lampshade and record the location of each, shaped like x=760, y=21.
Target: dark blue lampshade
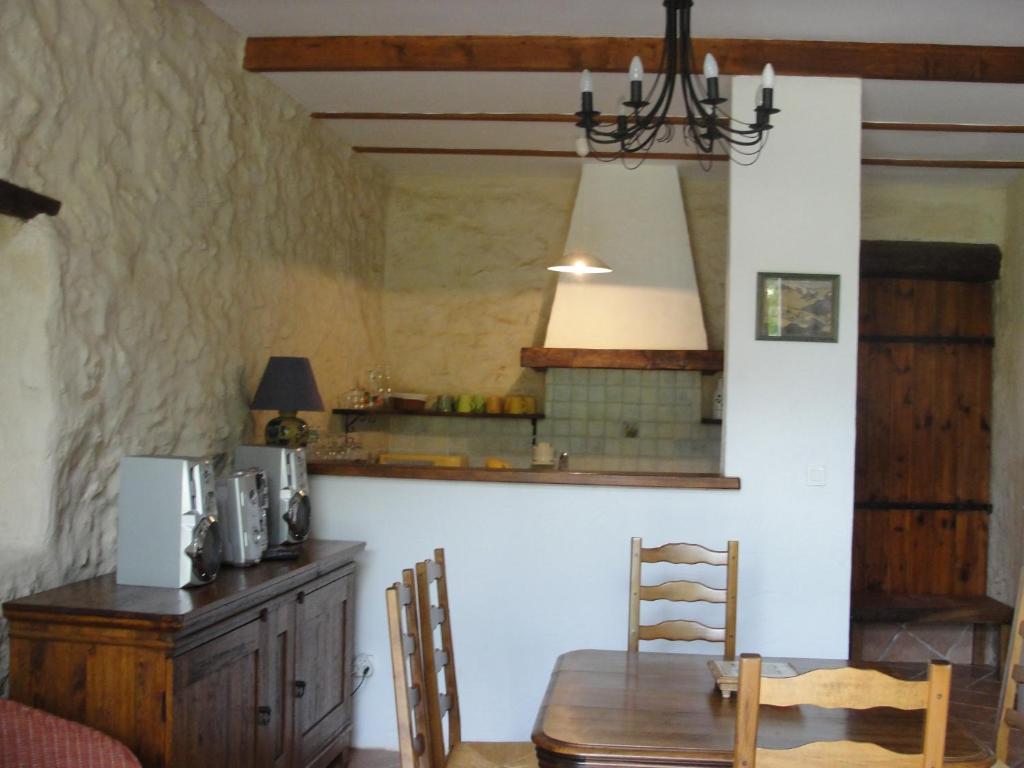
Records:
x=287, y=385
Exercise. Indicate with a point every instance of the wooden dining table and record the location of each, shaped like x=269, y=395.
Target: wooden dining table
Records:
x=615, y=708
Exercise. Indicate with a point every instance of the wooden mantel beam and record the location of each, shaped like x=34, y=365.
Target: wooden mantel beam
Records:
x=490, y=53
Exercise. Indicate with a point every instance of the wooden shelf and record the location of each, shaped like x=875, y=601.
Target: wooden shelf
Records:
x=541, y=476
x=541, y=358
x=452, y=415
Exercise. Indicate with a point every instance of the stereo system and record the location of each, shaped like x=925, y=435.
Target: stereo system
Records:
x=243, y=501
x=177, y=522
x=288, y=487
x=167, y=529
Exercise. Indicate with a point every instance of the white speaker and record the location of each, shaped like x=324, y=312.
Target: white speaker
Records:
x=167, y=529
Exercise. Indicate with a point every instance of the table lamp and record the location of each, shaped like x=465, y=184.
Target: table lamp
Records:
x=287, y=386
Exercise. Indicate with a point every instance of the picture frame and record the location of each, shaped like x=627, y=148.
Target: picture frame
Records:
x=794, y=306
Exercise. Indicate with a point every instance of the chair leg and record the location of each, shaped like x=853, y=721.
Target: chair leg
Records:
x=856, y=641
x=1004, y=645
x=979, y=644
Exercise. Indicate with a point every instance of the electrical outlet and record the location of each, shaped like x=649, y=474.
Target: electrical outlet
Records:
x=362, y=665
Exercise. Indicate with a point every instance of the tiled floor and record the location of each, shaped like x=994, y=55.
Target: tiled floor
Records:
x=973, y=703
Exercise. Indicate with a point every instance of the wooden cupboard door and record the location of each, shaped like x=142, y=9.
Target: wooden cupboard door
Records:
x=216, y=694
x=323, y=663
x=277, y=686
x=924, y=404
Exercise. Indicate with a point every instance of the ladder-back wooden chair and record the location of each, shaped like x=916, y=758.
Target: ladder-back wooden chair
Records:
x=449, y=750
x=407, y=673
x=683, y=591
x=845, y=688
x=1009, y=716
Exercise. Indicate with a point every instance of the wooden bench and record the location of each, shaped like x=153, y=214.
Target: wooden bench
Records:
x=985, y=613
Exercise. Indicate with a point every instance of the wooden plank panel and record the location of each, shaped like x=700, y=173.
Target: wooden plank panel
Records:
x=556, y=117
x=710, y=360
x=896, y=162
x=929, y=553
x=923, y=437
x=80, y=681
x=548, y=53
x=930, y=308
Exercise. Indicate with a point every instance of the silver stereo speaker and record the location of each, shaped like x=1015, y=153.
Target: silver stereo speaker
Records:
x=243, y=499
x=167, y=529
x=285, y=468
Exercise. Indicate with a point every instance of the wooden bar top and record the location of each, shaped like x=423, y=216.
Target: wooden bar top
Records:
x=176, y=610
x=543, y=476
x=663, y=709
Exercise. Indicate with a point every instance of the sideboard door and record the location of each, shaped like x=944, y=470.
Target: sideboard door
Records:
x=323, y=665
x=277, y=689
x=216, y=720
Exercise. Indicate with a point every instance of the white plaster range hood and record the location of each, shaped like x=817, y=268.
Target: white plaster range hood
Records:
x=634, y=221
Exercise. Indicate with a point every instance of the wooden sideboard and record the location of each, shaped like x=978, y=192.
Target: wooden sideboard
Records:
x=253, y=669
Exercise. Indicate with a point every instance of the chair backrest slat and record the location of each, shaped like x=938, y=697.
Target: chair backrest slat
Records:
x=683, y=591
x=681, y=629
x=846, y=688
x=829, y=754
x=1008, y=716
x=850, y=689
x=438, y=656
x=407, y=673
x=684, y=554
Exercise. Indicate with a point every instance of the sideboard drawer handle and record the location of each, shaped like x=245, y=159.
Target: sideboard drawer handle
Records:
x=300, y=688
x=301, y=597
x=264, y=615
x=264, y=715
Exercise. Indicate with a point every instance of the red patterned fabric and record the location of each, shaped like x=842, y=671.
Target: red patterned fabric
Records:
x=31, y=738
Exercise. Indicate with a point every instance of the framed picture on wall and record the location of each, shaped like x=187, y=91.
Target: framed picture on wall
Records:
x=797, y=307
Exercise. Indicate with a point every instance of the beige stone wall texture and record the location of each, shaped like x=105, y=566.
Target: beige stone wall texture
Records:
x=1006, y=527
x=945, y=212
x=466, y=284
x=207, y=224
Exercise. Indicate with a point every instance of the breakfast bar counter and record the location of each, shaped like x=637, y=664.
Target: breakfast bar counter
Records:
x=543, y=476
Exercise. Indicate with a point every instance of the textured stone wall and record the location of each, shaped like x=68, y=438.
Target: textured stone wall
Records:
x=207, y=224
x=1006, y=527
x=950, y=212
x=466, y=283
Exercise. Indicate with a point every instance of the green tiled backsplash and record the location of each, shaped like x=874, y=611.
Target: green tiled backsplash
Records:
x=606, y=420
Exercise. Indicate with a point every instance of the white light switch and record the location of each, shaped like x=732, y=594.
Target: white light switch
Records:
x=815, y=474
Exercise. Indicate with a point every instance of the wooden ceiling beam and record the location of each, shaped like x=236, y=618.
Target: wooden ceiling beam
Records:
x=551, y=153
x=491, y=53
x=554, y=117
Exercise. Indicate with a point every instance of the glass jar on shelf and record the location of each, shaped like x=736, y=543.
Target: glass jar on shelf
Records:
x=379, y=383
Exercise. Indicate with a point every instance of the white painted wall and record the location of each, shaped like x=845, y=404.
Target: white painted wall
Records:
x=634, y=221
x=538, y=570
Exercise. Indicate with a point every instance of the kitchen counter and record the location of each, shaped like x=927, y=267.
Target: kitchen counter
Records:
x=545, y=476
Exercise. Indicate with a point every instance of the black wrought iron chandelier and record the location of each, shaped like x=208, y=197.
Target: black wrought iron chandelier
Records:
x=643, y=119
